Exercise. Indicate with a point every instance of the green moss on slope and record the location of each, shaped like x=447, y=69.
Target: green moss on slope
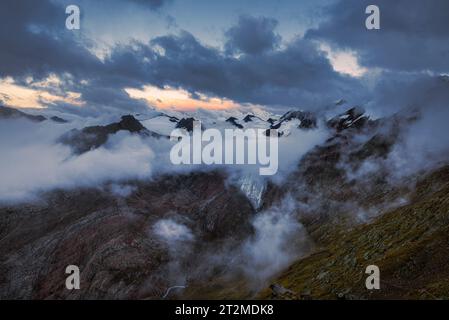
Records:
x=409, y=244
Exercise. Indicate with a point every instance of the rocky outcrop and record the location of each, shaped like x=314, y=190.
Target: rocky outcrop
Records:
x=10, y=113
x=354, y=118
x=249, y=118
x=353, y=221
x=58, y=119
x=186, y=123
x=113, y=241
x=233, y=121
x=90, y=138
x=307, y=120
x=406, y=243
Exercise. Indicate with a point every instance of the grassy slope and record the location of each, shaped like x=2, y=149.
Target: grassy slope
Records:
x=409, y=244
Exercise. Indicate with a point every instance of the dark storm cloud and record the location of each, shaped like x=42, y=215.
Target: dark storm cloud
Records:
x=297, y=75
x=413, y=36
x=35, y=42
x=152, y=4
x=252, y=35
x=399, y=91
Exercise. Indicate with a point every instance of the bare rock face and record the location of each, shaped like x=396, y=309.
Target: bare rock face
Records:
x=163, y=233
x=304, y=121
x=249, y=118
x=408, y=244
x=405, y=239
x=353, y=118
x=233, y=121
x=186, y=123
x=307, y=120
x=212, y=207
x=94, y=137
x=58, y=119
x=327, y=185
x=10, y=113
x=112, y=240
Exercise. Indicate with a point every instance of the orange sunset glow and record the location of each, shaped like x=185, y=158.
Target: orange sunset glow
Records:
x=169, y=98
x=19, y=96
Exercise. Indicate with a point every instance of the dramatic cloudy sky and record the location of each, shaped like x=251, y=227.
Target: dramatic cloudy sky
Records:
x=131, y=54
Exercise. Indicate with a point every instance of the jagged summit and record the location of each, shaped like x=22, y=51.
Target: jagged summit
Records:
x=11, y=113
x=58, y=119
x=128, y=123
x=345, y=214
x=94, y=137
x=170, y=118
x=295, y=118
x=353, y=118
x=249, y=118
x=233, y=121
x=271, y=121
x=186, y=123
x=444, y=78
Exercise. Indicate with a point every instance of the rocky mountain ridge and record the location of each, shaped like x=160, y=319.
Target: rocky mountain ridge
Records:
x=138, y=243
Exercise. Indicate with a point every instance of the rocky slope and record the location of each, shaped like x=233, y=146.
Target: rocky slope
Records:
x=356, y=221
x=90, y=138
x=11, y=113
x=408, y=244
x=136, y=239
x=111, y=238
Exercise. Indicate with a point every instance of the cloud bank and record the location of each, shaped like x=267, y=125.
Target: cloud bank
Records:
x=32, y=162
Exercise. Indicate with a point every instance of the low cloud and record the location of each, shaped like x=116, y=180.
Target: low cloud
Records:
x=172, y=232
x=32, y=162
x=279, y=239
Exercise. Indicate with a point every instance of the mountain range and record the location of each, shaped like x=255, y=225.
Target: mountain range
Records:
x=221, y=235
